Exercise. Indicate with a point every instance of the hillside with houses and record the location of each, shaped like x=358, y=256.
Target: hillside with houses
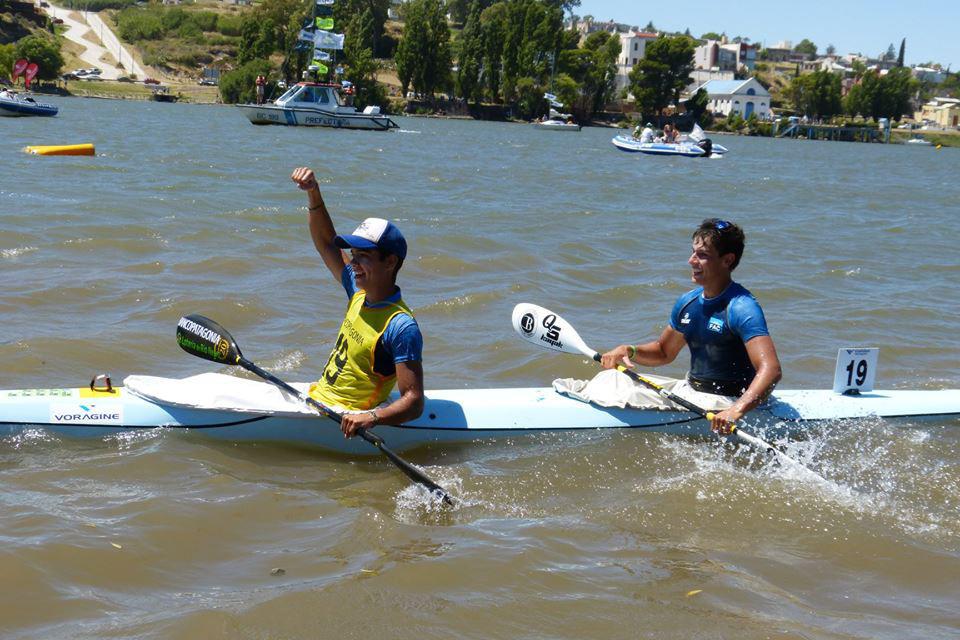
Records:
x=484, y=57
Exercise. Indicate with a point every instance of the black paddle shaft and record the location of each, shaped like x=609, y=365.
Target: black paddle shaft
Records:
x=411, y=471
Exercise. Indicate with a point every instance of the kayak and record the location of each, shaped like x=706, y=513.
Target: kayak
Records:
x=688, y=149
x=450, y=416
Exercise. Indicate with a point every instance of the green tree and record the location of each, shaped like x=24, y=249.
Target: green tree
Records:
x=806, y=47
x=8, y=56
x=271, y=27
x=423, y=56
x=903, y=49
x=662, y=74
x=816, y=94
x=876, y=96
x=831, y=49
x=711, y=35
x=361, y=66
x=533, y=38
x=593, y=68
x=493, y=23
x=459, y=10
x=698, y=105
x=470, y=56
x=43, y=50
x=239, y=85
x=891, y=53
x=345, y=10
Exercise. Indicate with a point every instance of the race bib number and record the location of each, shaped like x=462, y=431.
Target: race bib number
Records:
x=856, y=370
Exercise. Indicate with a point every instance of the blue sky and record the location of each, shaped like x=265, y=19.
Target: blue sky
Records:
x=852, y=27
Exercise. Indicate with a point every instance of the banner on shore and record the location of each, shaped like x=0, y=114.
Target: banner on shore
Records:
x=324, y=23
x=328, y=40
x=321, y=55
x=19, y=67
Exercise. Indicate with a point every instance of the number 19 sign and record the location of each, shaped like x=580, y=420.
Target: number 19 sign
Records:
x=856, y=369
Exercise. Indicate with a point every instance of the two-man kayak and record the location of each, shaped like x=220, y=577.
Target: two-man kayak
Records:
x=198, y=404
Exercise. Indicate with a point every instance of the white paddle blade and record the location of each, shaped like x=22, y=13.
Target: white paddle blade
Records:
x=545, y=328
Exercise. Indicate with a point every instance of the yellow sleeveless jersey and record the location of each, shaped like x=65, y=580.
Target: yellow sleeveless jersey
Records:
x=349, y=380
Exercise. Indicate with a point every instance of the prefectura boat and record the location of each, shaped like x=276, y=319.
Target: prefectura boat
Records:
x=312, y=104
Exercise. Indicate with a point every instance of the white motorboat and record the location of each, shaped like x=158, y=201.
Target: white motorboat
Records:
x=16, y=104
x=919, y=140
x=558, y=122
x=312, y=104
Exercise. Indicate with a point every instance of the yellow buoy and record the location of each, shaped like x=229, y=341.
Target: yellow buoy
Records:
x=62, y=150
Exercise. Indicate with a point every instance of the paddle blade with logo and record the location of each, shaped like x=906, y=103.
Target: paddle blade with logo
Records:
x=204, y=338
x=545, y=328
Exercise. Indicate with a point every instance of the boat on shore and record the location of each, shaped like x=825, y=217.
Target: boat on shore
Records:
x=918, y=140
x=313, y=104
x=15, y=104
x=239, y=410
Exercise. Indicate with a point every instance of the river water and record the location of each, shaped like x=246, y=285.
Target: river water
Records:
x=189, y=209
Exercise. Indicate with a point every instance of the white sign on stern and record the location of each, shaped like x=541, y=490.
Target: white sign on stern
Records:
x=856, y=370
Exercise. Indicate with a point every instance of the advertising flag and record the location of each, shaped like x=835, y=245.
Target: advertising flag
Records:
x=30, y=73
x=328, y=40
x=325, y=23
x=323, y=56
x=19, y=66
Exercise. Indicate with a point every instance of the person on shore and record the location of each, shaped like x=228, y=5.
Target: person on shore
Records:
x=731, y=351
x=261, y=84
x=379, y=344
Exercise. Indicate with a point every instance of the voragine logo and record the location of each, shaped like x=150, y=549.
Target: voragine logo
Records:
x=85, y=414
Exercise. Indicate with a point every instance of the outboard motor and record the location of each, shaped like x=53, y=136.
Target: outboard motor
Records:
x=707, y=147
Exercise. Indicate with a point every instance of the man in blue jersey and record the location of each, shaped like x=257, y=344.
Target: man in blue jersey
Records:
x=379, y=344
x=731, y=351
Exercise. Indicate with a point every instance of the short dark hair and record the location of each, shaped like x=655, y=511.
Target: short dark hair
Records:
x=724, y=236
x=383, y=256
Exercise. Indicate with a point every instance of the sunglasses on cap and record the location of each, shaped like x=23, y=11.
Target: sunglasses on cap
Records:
x=720, y=225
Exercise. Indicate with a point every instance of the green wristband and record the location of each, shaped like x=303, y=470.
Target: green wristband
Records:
x=631, y=351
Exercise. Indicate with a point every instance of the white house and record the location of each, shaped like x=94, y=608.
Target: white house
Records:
x=745, y=97
x=633, y=46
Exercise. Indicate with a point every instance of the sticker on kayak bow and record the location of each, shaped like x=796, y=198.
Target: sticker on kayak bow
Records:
x=86, y=413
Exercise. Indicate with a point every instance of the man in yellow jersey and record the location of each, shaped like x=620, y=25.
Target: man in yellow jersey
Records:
x=379, y=344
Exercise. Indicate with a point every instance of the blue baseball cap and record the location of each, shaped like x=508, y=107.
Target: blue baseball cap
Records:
x=375, y=233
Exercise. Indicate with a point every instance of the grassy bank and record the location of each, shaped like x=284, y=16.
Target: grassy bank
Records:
x=942, y=138
x=138, y=91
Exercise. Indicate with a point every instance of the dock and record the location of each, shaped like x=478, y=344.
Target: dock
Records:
x=796, y=129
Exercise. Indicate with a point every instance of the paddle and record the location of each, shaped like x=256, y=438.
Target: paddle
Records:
x=546, y=329
x=204, y=338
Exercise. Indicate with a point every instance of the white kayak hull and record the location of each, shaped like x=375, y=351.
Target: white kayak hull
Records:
x=459, y=415
x=315, y=117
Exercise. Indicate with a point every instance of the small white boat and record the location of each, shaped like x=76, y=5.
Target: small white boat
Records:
x=558, y=122
x=919, y=141
x=311, y=104
x=16, y=104
x=207, y=405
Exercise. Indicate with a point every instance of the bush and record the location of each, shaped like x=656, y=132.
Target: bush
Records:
x=206, y=20
x=238, y=85
x=45, y=51
x=134, y=25
x=229, y=25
